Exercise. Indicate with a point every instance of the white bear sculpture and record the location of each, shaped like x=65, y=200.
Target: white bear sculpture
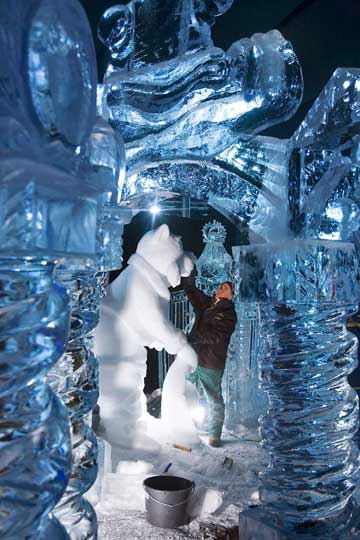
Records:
x=135, y=314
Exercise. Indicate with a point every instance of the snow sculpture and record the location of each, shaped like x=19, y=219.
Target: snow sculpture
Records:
x=49, y=210
x=134, y=314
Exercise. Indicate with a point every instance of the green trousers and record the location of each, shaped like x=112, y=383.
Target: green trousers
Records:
x=208, y=382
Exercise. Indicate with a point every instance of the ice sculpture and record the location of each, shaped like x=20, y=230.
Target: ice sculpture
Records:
x=49, y=210
x=178, y=99
x=306, y=290
x=244, y=400
x=188, y=113
x=180, y=316
x=134, y=314
x=104, y=151
x=324, y=163
x=214, y=265
x=79, y=368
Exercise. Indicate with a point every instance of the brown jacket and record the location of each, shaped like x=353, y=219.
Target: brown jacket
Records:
x=213, y=326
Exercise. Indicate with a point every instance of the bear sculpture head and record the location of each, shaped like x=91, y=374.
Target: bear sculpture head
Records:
x=164, y=252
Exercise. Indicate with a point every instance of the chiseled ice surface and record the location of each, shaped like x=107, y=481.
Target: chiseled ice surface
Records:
x=48, y=204
x=247, y=183
x=48, y=209
x=50, y=200
x=324, y=196
x=149, y=31
x=334, y=117
x=79, y=368
x=214, y=265
x=244, y=400
x=35, y=446
x=106, y=154
x=188, y=111
x=306, y=290
x=62, y=170
x=217, y=99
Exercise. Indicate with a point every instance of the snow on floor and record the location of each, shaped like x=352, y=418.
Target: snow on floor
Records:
x=228, y=475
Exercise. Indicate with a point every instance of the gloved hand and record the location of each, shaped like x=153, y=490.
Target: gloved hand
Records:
x=188, y=356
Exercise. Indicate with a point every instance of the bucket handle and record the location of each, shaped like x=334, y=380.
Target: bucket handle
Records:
x=172, y=505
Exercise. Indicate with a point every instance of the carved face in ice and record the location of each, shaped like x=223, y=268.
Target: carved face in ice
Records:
x=163, y=251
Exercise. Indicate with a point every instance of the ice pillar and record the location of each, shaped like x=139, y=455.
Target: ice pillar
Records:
x=81, y=368
x=48, y=211
x=306, y=290
x=34, y=432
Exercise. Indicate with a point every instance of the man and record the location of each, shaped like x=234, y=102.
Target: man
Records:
x=215, y=320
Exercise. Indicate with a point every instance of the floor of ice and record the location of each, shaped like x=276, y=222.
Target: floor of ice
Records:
x=230, y=485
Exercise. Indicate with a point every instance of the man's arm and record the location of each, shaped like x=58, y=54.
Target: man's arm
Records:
x=197, y=298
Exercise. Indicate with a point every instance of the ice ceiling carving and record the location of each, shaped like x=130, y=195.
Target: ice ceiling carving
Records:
x=188, y=109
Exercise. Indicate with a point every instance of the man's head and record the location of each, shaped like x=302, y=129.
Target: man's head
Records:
x=225, y=290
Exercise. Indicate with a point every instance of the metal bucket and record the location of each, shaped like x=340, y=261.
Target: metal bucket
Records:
x=167, y=499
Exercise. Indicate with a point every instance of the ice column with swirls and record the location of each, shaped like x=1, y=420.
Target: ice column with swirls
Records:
x=306, y=290
x=104, y=150
x=34, y=429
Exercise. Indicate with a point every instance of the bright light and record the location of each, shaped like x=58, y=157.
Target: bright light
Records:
x=155, y=209
x=198, y=413
x=335, y=212
x=255, y=497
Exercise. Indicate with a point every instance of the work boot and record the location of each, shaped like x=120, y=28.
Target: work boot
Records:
x=215, y=442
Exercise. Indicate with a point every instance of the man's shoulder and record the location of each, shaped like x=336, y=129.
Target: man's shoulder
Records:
x=226, y=305
x=229, y=304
